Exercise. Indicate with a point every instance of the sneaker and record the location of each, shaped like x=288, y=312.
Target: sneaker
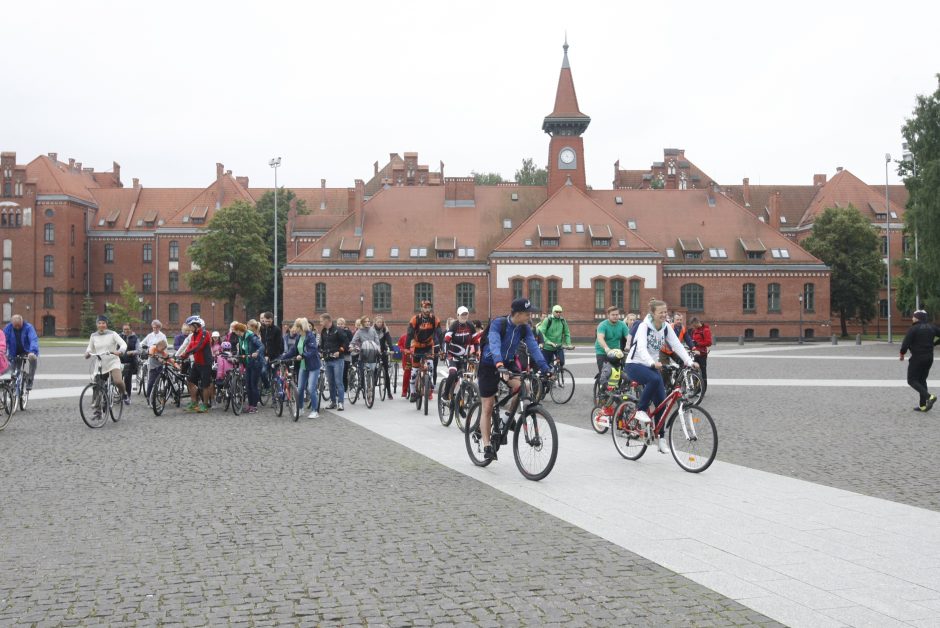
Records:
x=489, y=453
x=921, y=408
x=663, y=445
x=202, y=408
x=931, y=400
x=642, y=418
x=339, y=408
x=413, y=397
x=252, y=409
x=127, y=400
x=191, y=408
x=332, y=406
x=313, y=415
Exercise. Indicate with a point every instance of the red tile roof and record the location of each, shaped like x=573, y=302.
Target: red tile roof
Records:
x=794, y=199
x=53, y=177
x=844, y=189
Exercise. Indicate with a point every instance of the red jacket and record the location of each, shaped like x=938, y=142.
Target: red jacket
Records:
x=702, y=337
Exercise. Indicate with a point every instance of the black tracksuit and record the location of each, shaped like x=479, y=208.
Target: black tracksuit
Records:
x=920, y=341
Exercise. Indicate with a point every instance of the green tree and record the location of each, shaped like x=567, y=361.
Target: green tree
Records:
x=128, y=307
x=232, y=256
x=922, y=216
x=88, y=316
x=286, y=200
x=846, y=242
x=530, y=174
x=487, y=178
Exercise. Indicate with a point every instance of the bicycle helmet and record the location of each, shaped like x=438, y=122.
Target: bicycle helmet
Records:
x=226, y=346
x=369, y=351
x=615, y=357
x=194, y=320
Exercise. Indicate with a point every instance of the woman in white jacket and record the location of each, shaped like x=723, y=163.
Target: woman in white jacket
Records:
x=643, y=365
x=109, y=345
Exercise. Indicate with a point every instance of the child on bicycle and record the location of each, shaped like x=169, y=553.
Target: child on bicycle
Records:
x=157, y=357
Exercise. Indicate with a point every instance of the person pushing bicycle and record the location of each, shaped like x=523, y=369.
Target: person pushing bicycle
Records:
x=498, y=350
x=421, y=330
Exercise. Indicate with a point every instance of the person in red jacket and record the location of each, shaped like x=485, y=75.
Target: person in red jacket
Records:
x=405, y=364
x=701, y=341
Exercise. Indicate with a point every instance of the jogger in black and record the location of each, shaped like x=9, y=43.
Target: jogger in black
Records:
x=920, y=340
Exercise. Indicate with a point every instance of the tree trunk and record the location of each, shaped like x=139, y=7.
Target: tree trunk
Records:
x=845, y=331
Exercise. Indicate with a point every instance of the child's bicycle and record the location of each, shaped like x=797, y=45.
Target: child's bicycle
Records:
x=283, y=390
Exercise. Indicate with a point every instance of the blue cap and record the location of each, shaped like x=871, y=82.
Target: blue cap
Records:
x=521, y=305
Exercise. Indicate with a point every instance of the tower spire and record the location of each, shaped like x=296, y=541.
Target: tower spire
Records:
x=566, y=113
x=564, y=63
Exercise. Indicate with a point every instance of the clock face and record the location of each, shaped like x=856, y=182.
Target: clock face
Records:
x=566, y=156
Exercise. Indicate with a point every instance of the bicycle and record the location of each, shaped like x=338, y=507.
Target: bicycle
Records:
x=143, y=370
x=535, y=442
x=561, y=385
x=368, y=372
x=284, y=390
x=693, y=444
x=230, y=393
x=100, y=398
x=693, y=388
x=607, y=400
x=421, y=375
x=170, y=384
x=354, y=385
x=462, y=395
x=382, y=375
x=18, y=385
x=8, y=398
x=323, y=386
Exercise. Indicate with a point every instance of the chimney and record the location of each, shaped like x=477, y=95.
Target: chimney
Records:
x=54, y=156
x=228, y=173
x=819, y=180
x=375, y=166
x=839, y=169
x=747, y=192
x=322, y=193
x=88, y=170
x=774, y=211
x=220, y=188
x=136, y=182
x=323, y=184
x=459, y=192
x=354, y=198
x=242, y=181
x=78, y=165
x=219, y=171
x=360, y=200
x=71, y=164
x=442, y=169
x=116, y=168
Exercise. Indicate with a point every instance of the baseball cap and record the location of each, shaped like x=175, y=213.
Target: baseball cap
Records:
x=521, y=305
x=920, y=315
x=557, y=308
x=216, y=334
x=462, y=310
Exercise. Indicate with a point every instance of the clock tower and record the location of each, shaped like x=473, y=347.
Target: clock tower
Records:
x=565, y=125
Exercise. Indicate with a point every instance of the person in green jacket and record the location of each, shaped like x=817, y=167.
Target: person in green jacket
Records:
x=556, y=335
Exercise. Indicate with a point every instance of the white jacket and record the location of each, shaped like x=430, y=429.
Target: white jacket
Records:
x=105, y=343
x=648, y=341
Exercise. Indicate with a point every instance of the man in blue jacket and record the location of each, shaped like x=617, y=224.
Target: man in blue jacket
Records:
x=498, y=351
x=22, y=340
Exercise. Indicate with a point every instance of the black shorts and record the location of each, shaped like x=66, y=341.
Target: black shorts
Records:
x=488, y=379
x=200, y=375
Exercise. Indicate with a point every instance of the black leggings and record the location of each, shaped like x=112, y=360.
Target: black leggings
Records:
x=702, y=361
x=918, y=368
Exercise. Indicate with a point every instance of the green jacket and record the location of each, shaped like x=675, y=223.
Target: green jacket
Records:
x=555, y=332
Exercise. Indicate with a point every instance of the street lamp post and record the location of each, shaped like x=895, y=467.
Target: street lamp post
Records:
x=213, y=315
x=362, y=302
x=801, y=318
x=275, y=163
x=888, y=238
x=909, y=156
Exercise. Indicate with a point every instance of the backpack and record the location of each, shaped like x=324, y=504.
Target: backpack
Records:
x=485, y=339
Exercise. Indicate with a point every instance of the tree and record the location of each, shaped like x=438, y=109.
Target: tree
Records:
x=529, y=174
x=232, y=256
x=846, y=242
x=88, y=316
x=922, y=216
x=127, y=309
x=286, y=199
x=487, y=178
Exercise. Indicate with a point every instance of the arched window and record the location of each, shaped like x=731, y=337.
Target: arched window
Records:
x=466, y=296
x=692, y=297
x=516, y=289
x=749, y=297
x=49, y=233
x=320, y=297
x=773, y=297
x=174, y=251
x=535, y=294
x=809, y=297
x=108, y=253
x=600, y=295
x=382, y=297
x=174, y=281
x=774, y=333
x=552, y=294
x=48, y=298
x=48, y=266
x=616, y=293
x=749, y=333
x=174, y=312
x=634, y=295
x=423, y=291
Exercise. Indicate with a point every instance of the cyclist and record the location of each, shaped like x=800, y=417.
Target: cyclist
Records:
x=129, y=359
x=643, y=365
x=556, y=336
x=421, y=331
x=385, y=345
x=364, y=333
x=682, y=333
x=701, y=341
x=158, y=356
x=459, y=339
x=251, y=350
x=105, y=341
x=334, y=345
x=273, y=343
x=498, y=350
x=307, y=355
x=610, y=334
x=22, y=340
x=200, y=383
x=405, y=365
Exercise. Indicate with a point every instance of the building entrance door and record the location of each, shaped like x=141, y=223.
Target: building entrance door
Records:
x=48, y=325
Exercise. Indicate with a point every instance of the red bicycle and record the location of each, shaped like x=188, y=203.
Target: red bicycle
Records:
x=689, y=429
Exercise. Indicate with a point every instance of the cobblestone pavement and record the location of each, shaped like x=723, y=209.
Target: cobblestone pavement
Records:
x=863, y=439
x=253, y=520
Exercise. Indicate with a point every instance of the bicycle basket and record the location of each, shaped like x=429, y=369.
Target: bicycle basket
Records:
x=369, y=351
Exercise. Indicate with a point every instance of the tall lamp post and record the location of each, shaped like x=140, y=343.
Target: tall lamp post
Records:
x=888, y=238
x=213, y=315
x=909, y=156
x=275, y=163
x=362, y=302
x=801, y=318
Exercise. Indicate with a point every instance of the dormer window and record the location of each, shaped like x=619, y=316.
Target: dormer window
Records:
x=754, y=248
x=446, y=247
x=549, y=235
x=600, y=235
x=507, y=223
x=618, y=200
x=579, y=228
x=566, y=228
x=550, y=242
x=393, y=252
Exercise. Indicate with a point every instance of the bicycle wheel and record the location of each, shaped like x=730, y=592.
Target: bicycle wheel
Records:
x=380, y=380
x=323, y=388
x=237, y=393
x=562, y=389
x=467, y=395
x=629, y=435
x=160, y=394
x=352, y=393
x=600, y=421
x=472, y=437
x=395, y=376
x=290, y=399
x=693, y=388
x=368, y=388
x=265, y=392
x=444, y=412
x=116, y=405
x=277, y=397
x=8, y=407
x=693, y=438
x=23, y=397
x=428, y=389
x=595, y=395
x=90, y=407
x=535, y=443
x=419, y=389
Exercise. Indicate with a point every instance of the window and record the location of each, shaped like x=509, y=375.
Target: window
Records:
x=445, y=255
x=535, y=294
x=48, y=297
x=423, y=291
x=466, y=296
x=692, y=297
x=148, y=253
x=749, y=297
x=749, y=333
x=670, y=252
x=516, y=289
x=381, y=297
x=174, y=251
x=616, y=293
x=147, y=283
x=174, y=281
x=634, y=295
x=195, y=309
x=773, y=297
x=552, y=293
x=108, y=282
x=228, y=312
x=320, y=297
x=718, y=253
x=906, y=245
x=579, y=228
x=72, y=235
x=600, y=295
x=884, y=279
x=884, y=245
x=692, y=255
x=507, y=223
x=808, y=333
x=174, y=312
x=7, y=280
x=774, y=333
x=370, y=252
x=550, y=241
x=147, y=313
x=755, y=255
x=883, y=308
x=393, y=252
x=809, y=297
x=49, y=233
x=349, y=254
x=108, y=253
x=566, y=228
x=600, y=241
x=72, y=267
x=48, y=266
x=326, y=252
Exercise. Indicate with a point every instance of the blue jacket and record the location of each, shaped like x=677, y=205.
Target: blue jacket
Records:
x=504, y=338
x=29, y=337
x=311, y=352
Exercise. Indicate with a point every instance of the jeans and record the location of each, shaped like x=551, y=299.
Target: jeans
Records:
x=253, y=382
x=653, y=389
x=918, y=368
x=551, y=354
x=334, y=375
x=152, y=376
x=307, y=382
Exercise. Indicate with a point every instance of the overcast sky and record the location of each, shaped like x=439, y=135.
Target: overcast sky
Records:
x=774, y=92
